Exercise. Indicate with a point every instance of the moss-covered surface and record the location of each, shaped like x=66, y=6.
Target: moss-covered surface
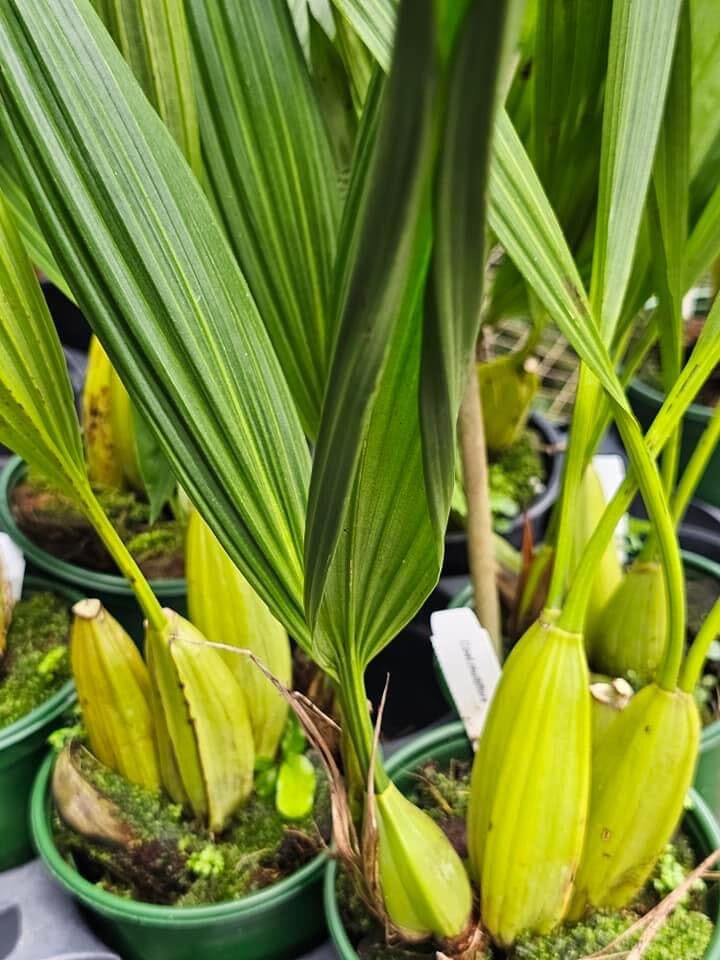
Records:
x=36, y=661
x=55, y=524
x=172, y=859
x=517, y=476
x=444, y=792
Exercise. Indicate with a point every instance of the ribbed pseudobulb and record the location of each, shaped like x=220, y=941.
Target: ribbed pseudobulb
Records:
x=629, y=637
x=207, y=751
x=424, y=883
x=507, y=389
x=226, y=609
x=641, y=771
x=114, y=692
x=530, y=785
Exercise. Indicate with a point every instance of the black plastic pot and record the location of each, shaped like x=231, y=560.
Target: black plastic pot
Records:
x=646, y=401
x=414, y=698
x=72, y=327
x=456, y=558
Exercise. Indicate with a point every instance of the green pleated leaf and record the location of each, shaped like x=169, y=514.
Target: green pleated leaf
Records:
x=155, y=470
x=24, y=218
x=272, y=178
x=705, y=124
x=334, y=95
x=524, y=222
x=703, y=246
x=374, y=22
x=668, y=205
x=152, y=36
x=453, y=307
x=567, y=79
x=369, y=503
x=37, y=408
x=556, y=38
x=383, y=258
x=358, y=61
x=139, y=246
x=642, y=41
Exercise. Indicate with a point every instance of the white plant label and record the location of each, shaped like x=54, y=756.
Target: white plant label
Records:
x=468, y=663
x=12, y=566
x=610, y=468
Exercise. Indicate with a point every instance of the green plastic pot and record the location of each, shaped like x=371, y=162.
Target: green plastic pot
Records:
x=112, y=590
x=646, y=401
x=278, y=922
x=23, y=745
x=450, y=742
x=707, y=777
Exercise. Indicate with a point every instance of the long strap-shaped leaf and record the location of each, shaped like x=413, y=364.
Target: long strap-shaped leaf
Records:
x=12, y=191
x=668, y=204
x=37, y=411
x=705, y=122
x=642, y=39
x=374, y=23
x=523, y=219
x=139, y=246
x=386, y=250
x=272, y=177
x=453, y=304
x=152, y=36
x=386, y=510
x=704, y=242
x=524, y=222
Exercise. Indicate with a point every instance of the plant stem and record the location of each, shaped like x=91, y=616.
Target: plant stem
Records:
x=697, y=656
x=575, y=458
x=633, y=361
x=481, y=551
x=124, y=560
x=642, y=459
x=356, y=720
x=696, y=466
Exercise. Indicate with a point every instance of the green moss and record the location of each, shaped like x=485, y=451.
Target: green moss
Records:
x=443, y=792
x=685, y=936
x=125, y=510
x=516, y=477
x=174, y=859
x=165, y=537
x=36, y=662
x=54, y=522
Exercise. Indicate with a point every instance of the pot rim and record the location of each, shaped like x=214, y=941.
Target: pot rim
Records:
x=59, y=701
x=109, y=583
x=703, y=823
x=117, y=908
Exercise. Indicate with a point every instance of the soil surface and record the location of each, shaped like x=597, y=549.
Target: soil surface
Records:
x=36, y=662
x=53, y=522
x=443, y=791
x=168, y=858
